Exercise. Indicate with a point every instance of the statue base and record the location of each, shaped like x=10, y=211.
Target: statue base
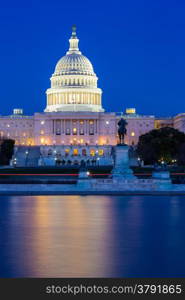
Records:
x=121, y=144
x=121, y=163
x=83, y=179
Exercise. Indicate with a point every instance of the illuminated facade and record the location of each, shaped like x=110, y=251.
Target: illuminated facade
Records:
x=137, y=125
x=74, y=115
x=179, y=122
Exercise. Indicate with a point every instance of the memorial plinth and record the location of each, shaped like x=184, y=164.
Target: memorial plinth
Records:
x=162, y=179
x=121, y=167
x=83, y=179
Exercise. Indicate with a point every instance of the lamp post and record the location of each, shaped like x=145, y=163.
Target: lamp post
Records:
x=139, y=161
x=26, y=160
x=15, y=162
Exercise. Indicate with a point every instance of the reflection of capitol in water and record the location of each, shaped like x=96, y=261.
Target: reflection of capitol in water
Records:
x=74, y=116
x=92, y=236
x=63, y=236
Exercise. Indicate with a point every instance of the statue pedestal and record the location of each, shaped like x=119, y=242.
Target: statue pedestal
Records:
x=121, y=163
x=83, y=179
x=162, y=179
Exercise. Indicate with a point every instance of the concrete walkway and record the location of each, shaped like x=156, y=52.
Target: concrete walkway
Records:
x=75, y=189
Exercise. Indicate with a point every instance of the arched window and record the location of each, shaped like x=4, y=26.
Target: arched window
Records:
x=84, y=152
x=67, y=152
x=101, y=152
x=75, y=152
x=74, y=131
x=92, y=152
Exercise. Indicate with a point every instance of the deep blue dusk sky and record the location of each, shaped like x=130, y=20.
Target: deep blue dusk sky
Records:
x=137, y=49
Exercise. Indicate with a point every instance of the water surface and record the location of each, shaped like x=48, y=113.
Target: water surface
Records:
x=92, y=236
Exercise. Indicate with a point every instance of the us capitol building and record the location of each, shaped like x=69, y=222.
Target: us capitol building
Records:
x=74, y=125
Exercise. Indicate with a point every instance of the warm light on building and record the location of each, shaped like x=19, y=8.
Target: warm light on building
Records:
x=92, y=152
x=75, y=152
x=74, y=130
x=67, y=151
x=130, y=110
x=100, y=152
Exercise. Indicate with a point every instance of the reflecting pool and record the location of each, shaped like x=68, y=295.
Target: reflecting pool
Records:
x=92, y=236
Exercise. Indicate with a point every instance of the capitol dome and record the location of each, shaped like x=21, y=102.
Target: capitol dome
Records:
x=74, y=83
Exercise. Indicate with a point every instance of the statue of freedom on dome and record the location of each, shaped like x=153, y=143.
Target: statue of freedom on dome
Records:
x=122, y=131
x=74, y=30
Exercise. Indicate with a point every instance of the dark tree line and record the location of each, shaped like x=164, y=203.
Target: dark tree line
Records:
x=165, y=144
x=6, y=151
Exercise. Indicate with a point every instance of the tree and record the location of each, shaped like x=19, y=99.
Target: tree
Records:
x=181, y=154
x=161, y=144
x=6, y=151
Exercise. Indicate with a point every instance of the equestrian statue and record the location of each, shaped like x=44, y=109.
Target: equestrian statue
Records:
x=122, y=131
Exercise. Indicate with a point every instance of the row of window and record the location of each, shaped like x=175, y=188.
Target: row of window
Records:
x=44, y=141
x=16, y=134
x=142, y=124
x=76, y=152
x=75, y=132
x=15, y=125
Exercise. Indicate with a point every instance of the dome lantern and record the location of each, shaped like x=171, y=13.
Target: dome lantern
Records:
x=73, y=42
